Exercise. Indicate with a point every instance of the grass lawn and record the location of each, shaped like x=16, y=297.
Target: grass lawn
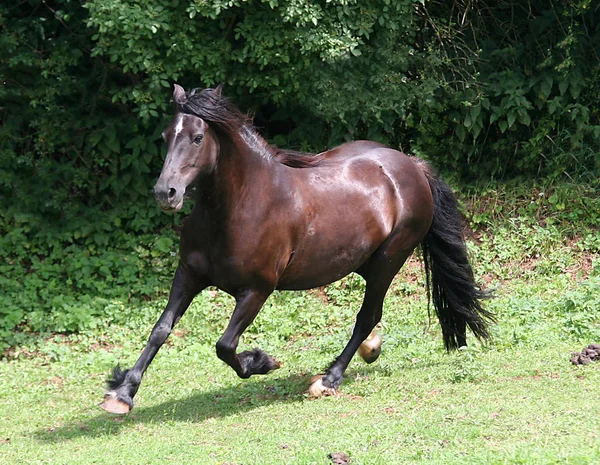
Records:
x=516, y=400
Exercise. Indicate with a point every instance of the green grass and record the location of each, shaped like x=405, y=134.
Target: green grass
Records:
x=516, y=400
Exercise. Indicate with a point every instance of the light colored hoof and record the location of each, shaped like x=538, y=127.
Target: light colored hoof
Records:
x=318, y=389
x=113, y=405
x=370, y=349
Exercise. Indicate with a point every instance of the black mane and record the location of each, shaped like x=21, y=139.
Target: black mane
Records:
x=296, y=159
x=219, y=112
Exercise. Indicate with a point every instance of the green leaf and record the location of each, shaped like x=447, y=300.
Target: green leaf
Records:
x=467, y=121
x=524, y=117
x=164, y=244
x=113, y=144
x=546, y=89
x=562, y=86
x=511, y=118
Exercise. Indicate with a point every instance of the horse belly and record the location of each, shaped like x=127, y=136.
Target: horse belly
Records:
x=320, y=260
x=319, y=274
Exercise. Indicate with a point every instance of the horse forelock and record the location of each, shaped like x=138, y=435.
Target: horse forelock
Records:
x=215, y=109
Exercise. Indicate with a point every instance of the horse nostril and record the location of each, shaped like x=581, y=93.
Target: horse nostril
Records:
x=172, y=193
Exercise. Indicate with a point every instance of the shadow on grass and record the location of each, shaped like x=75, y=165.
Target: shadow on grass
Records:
x=196, y=408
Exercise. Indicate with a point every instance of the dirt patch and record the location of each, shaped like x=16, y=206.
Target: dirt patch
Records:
x=339, y=458
x=582, y=270
x=321, y=293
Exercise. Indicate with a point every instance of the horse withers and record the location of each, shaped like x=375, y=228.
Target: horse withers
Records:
x=266, y=219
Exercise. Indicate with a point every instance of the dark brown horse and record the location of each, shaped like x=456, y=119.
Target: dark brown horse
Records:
x=266, y=219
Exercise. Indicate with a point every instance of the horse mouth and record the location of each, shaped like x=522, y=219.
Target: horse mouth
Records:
x=170, y=208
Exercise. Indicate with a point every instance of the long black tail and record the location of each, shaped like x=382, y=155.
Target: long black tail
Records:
x=450, y=283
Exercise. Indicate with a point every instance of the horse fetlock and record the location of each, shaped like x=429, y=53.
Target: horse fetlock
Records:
x=332, y=380
x=257, y=362
x=134, y=378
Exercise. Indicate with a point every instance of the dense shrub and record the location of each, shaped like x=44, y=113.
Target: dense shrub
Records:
x=483, y=88
x=523, y=87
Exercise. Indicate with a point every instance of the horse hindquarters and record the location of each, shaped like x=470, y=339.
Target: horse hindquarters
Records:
x=450, y=282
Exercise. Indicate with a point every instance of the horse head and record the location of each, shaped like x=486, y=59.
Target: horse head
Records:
x=192, y=150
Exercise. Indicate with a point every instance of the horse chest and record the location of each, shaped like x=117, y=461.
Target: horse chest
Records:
x=229, y=262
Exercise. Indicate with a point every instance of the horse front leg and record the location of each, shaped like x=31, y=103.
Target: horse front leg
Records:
x=249, y=362
x=124, y=384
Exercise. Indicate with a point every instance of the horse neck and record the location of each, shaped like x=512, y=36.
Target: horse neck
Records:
x=244, y=166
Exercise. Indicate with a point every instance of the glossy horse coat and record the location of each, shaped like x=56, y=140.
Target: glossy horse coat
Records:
x=267, y=219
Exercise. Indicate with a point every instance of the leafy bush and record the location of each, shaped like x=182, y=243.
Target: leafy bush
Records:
x=508, y=88
x=523, y=80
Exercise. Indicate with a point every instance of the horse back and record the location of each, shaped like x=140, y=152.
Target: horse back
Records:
x=350, y=206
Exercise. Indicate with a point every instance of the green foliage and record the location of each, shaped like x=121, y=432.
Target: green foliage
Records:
x=342, y=65
x=523, y=83
x=64, y=145
x=579, y=309
x=502, y=89
x=574, y=208
x=517, y=399
x=88, y=283
x=74, y=177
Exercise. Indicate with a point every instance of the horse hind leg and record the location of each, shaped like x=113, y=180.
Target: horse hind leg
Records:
x=368, y=316
x=378, y=273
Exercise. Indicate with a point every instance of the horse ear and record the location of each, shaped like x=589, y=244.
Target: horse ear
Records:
x=219, y=90
x=179, y=94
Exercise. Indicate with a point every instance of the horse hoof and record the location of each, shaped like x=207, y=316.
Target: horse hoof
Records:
x=318, y=389
x=370, y=349
x=112, y=404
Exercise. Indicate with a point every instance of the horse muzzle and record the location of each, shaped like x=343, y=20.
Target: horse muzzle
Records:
x=169, y=198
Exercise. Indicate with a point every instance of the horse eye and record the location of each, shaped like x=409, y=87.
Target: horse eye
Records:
x=198, y=139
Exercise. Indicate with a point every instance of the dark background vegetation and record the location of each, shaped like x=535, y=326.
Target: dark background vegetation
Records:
x=488, y=90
